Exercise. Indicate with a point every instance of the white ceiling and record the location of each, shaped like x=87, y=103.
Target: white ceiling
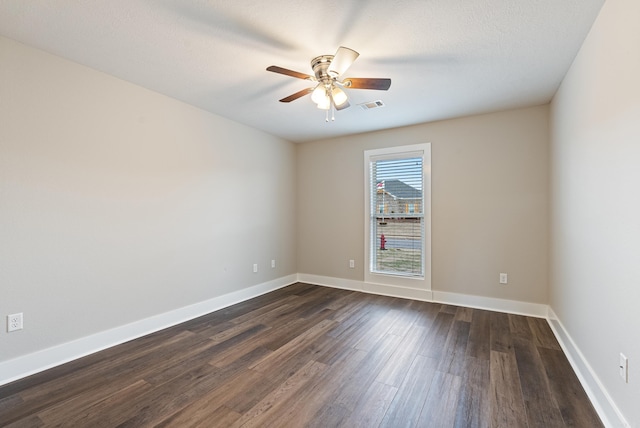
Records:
x=446, y=58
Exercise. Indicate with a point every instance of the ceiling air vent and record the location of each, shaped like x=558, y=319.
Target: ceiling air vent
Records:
x=371, y=104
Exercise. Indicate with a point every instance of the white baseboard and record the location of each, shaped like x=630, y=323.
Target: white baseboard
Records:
x=365, y=287
x=517, y=307
x=600, y=398
x=27, y=365
x=489, y=303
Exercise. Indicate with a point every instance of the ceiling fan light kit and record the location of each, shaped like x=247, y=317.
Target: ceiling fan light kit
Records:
x=328, y=69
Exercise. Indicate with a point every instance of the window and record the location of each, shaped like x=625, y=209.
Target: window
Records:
x=398, y=215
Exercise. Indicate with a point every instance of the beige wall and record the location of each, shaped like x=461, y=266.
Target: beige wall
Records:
x=117, y=203
x=595, y=280
x=489, y=203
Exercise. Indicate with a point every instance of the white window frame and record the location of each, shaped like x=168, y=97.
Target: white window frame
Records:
x=414, y=282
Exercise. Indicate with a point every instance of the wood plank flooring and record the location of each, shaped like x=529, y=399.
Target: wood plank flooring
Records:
x=308, y=356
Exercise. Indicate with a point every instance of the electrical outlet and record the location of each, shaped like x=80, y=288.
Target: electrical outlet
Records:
x=503, y=278
x=624, y=368
x=255, y=267
x=273, y=264
x=352, y=264
x=14, y=322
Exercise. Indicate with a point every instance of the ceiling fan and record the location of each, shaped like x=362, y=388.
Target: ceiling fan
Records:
x=328, y=70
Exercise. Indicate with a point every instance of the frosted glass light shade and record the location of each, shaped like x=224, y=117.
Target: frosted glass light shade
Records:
x=325, y=103
x=339, y=97
x=319, y=94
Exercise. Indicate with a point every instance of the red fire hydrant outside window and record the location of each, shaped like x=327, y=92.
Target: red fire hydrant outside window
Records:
x=383, y=241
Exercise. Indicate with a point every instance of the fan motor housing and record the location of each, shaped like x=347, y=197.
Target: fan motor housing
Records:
x=319, y=65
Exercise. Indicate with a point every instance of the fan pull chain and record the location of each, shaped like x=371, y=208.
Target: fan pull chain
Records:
x=332, y=107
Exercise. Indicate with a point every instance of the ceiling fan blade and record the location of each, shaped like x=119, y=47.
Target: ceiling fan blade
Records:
x=287, y=72
x=367, y=83
x=342, y=60
x=297, y=95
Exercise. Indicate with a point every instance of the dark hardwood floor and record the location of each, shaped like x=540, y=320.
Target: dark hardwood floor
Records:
x=308, y=356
